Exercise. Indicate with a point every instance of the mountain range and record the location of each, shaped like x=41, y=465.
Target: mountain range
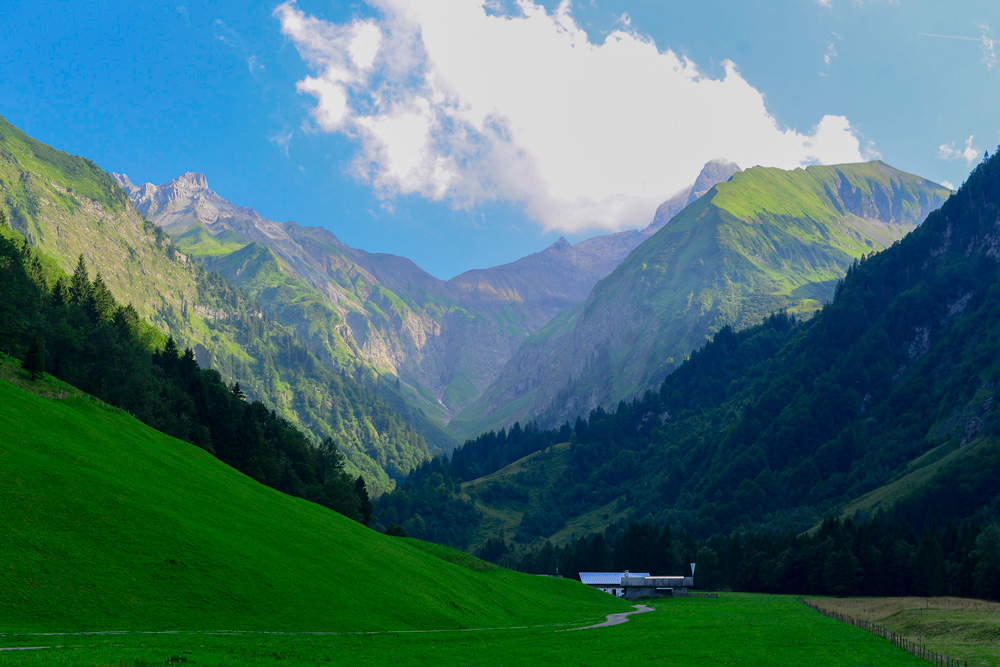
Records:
x=447, y=340
x=880, y=407
x=72, y=211
x=762, y=241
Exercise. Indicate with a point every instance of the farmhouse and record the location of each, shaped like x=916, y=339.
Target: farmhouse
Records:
x=647, y=586
x=638, y=584
x=609, y=582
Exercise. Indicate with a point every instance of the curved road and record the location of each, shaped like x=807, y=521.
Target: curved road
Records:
x=616, y=619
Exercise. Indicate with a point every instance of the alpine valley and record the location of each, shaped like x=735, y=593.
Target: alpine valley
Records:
x=210, y=418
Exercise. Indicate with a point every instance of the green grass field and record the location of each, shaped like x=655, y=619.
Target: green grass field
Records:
x=110, y=525
x=956, y=627
x=730, y=630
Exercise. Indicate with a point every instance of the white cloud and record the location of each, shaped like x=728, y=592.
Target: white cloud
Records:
x=988, y=47
x=452, y=101
x=282, y=141
x=970, y=153
x=986, y=42
x=949, y=185
x=831, y=49
x=254, y=65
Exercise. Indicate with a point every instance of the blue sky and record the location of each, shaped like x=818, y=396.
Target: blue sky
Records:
x=463, y=134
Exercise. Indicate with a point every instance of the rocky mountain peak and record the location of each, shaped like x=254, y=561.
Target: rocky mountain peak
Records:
x=561, y=244
x=193, y=180
x=714, y=171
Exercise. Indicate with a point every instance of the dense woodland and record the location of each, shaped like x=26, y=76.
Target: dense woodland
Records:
x=769, y=429
x=883, y=556
x=73, y=328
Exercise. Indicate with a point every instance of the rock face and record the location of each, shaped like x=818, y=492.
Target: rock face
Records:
x=765, y=240
x=448, y=340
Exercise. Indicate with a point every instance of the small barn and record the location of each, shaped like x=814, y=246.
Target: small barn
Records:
x=609, y=582
x=637, y=586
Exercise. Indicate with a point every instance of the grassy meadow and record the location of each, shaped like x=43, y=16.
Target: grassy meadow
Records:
x=110, y=525
x=957, y=627
x=733, y=629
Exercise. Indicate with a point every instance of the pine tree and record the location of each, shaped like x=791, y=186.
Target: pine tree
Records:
x=59, y=294
x=34, y=360
x=367, y=506
x=79, y=284
x=238, y=392
x=103, y=300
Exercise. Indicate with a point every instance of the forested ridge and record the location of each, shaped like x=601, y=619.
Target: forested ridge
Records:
x=73, y=328
x=771, y=428
x=67, y=207
x=883, y=556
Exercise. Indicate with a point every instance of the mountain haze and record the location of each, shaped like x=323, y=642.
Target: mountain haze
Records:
x=447, y=340
x=765, y=240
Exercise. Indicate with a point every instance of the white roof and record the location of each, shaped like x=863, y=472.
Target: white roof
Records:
x=608, y=578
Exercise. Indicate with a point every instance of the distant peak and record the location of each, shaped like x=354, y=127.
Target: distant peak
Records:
x=194, y=179
x=123, y=180
x=561, y=244
x=716, y=171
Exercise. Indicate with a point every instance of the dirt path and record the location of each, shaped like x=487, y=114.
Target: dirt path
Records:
x=616, y=619
x=613, y=619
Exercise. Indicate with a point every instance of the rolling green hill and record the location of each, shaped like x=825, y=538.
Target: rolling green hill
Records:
x=766, y=240
x=108, y=524
x=68, y=208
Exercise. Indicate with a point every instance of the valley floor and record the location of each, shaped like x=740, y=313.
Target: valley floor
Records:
x=732, y=629
x=957, y=627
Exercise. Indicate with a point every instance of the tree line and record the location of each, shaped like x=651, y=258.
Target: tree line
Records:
x=768, y=428
x=884, y=556
x=73, y=328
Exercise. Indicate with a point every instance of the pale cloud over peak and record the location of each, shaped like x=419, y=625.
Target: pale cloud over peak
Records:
x=970, y=153
x=453, y=101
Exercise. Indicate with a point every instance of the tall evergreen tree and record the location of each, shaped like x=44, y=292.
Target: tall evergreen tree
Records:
x=367, y=506
x=34, y=360
x=103, y=301
x=79, y=285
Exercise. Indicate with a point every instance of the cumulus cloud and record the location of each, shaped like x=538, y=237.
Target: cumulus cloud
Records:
x=970, y=153
x=457, y=101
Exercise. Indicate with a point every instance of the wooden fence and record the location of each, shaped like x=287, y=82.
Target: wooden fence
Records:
x=912, y=647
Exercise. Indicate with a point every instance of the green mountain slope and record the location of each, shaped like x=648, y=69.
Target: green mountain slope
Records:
x=446, y=341
x=108, y=524
x=885, y=401
x=766, y=240
x=67, y=207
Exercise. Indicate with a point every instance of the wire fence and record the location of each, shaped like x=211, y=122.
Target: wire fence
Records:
x=908, y=645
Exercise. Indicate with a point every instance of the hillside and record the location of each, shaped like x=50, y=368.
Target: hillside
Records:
x=445, y=340
x=109, y=524
x=883, y=401
x=766, y=240
x=68, y=208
